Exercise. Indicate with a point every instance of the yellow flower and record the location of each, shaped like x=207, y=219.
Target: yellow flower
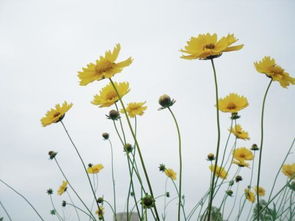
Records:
x=269, y=67
x=63, y=188
x=250, y=195
x=206, y=46
x=108, y=96
x=260, y=191
x=220, y=171
x=289, y=170
x=242, y=154
x=95, y=169
x=239, y=132
x=134, y=109
x=55, y=114
x=100, y=211
x=105, y=67
x=170, y=173
x=232, y=103
x=241, y=163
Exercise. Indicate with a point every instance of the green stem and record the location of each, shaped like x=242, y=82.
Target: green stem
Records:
x=82, y=161
x=57, y=213
x=261, y=147
x=22, y=196
x=218, y=142
x=90, y=216
x=6, y=212
x=113, y=179
x=73, y=204
x=180, y=162
x=137, y=145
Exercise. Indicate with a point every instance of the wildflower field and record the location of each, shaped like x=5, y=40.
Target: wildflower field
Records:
x=157, y=119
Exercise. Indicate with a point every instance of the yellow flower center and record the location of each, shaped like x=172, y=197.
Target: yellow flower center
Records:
x=242, y=155
x=111, y=95
x=56, y=114
x=231, y=106
x=105, y=67
x=209, y=46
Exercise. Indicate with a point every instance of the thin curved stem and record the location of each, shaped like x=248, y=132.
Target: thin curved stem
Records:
x=82, y=161
x=113, y=178
x=180, y=163
x=137, y=145
x=22, y=196
x=53, y=206
x=6, y=212
x=261, y=148
x=73, y=204
x=218, y=142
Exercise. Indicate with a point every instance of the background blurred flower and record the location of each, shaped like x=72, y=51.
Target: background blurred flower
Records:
x=63, y=188
x=259, y=190
x=206, y=46
x=250, y=195
x=289, y=170
x=232, y=103
x=55, y=114
x=108, y=96
x=220, y=171
x=105, y=67
x=269, y=67
x=170, y=173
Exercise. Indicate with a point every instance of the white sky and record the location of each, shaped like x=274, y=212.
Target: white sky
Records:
x=43, y=44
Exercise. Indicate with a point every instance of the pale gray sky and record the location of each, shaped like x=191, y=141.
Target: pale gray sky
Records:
x=43, y=44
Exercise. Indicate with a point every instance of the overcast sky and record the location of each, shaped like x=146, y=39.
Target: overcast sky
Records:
x=43, y=44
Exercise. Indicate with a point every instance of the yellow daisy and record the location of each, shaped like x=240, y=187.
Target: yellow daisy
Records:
x=170, y=173
x=95, y=169
x=108, y=96
x=243, y=154
x=260, y=191
x=289, y=170
x=238, y=131
x=134, y=109
x=206, y=46
x=55, y=114
x=100, y=212
x=250, y=195
x=105, y=67
x=220, y=171
x=232, y=103
x=63, y=188
x=269, y=67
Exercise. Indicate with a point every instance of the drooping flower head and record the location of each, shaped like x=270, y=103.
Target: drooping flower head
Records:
x=108, y=96
x=238, y=131
x=220, y=171
x=170, y=173
x=269, y=67
x=289, y=170
x=135, y=108
x=232, y=103
x=63, y=188
x=206, y=46
x=95, y=168
x=250, y=196
x=259, y=190
x=105, y=67
x=242, y=154
x=55, y=114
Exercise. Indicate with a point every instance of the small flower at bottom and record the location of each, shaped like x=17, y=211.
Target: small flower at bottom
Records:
x=108, y=95
x=289, y=170
x=170, y=173
x=147, y=201
x=100, y=212
x=55, y=114
x=259, y=190
x=250, y=196
x=63, y=188
x=94, y=169
x=232, y=103
x=135, y=108
x=238, y=131
x=220, y=171
x=269, y=67
x=206, y=46
x=103, y=68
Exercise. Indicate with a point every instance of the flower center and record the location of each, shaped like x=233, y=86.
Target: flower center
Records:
x=231, y=106
x=105, y=67
x=209, y=46
x=111, y=95
x=56, y=114
x=242, y=155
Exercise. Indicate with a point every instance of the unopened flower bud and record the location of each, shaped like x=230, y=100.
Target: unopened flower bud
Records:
x=167, y=194
x=234, y=116
x=229, y=192
x=90, y=164
x=49, y=191
x=210, y=157
x=99, y=200
x=105, y=136
x=148, y=201
x=52, y=212
x=113, y=115
x=254, y=147
x=238, y=178
x=231, y=183
x=128, y=148
x=162, y=167
x=165, y=101
x=64, y=203
x=52, y=154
